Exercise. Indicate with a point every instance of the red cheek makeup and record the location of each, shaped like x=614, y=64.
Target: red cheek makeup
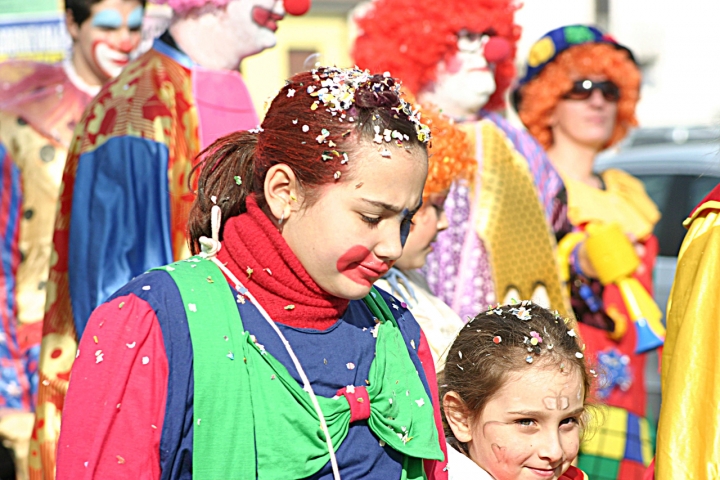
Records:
x=361, y=266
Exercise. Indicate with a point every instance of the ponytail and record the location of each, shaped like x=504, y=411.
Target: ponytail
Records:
x=225, y=176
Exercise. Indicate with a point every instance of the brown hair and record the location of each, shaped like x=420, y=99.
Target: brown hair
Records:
x=307, y=132
x=541, y=95
x=499, y=342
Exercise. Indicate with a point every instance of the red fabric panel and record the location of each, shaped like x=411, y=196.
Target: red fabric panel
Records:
x=114, y=409
x=435, y=470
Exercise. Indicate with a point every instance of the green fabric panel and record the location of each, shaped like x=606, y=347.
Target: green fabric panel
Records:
x=254, y=397
x=222, y=430
x=598, y=468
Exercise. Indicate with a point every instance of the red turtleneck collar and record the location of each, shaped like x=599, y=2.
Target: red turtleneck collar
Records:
x=251, y=242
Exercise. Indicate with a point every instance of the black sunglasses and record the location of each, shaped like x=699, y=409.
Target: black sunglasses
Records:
x=582, y=89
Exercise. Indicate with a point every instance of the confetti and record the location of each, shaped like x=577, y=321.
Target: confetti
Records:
x=95, y=338
x=145, y=360
x=130, y=345
x=305, y=128
x=529, y=359
x=230, y=355
x=238, y=180
x=336, y=175
x=350, y=366
x=249, y=272
x=146, y=287
x=291, y=92
x=420, y=402
x=571, y=332
x=120, y=459
x=497, y=339
x=192, y=307
x=289, y=307
x=122, y=304
x=579, y=355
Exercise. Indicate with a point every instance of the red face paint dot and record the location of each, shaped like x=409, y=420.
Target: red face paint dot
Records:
x=56, y=353
x=497, y=340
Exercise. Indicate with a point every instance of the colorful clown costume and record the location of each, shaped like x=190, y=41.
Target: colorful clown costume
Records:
x=499, y=243
x=689, y=429
x=621, y=447
x=125, y=200
x=40, y=104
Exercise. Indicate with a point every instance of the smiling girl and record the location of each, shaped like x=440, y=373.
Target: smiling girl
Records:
x=514, y=396
x=270, y=355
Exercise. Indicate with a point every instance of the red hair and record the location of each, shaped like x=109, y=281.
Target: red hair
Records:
x=541, y=95
x=409, y=38
x=298, y=131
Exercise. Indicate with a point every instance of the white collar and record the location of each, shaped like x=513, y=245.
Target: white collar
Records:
x=79, y=83
x=461, y=467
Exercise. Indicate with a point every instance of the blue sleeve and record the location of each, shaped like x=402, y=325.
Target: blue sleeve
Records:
x=120, y=220
x=11, y=395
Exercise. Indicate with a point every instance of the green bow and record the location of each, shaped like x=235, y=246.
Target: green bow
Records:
x=253, y=420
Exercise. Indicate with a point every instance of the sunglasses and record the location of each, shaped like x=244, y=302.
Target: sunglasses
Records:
x=582, y=89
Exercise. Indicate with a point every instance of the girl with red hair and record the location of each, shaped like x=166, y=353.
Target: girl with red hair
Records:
x=577, y=98
x=270, y=354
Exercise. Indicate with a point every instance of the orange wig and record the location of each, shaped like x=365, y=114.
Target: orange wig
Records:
x=541, y=94
x=409, y=38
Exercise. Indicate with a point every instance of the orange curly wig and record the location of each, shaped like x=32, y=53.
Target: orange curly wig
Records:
x=410, y=37
x=448, y=153
x=542, y=94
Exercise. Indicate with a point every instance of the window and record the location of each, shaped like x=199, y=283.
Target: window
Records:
x=676, y=196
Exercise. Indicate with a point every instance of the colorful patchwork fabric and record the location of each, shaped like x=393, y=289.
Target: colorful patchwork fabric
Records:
x=123, y=209
x=619, y=449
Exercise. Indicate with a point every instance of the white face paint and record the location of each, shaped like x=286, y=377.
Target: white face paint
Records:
x=465, y=82
x=251, y=24
x=108, y=59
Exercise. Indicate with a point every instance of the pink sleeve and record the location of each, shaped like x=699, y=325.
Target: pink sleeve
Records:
x=114, y=409
x=435, y=470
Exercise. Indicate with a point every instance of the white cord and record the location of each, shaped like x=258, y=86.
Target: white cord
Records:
x=210, y=247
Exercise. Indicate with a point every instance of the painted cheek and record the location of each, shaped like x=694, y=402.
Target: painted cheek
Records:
x=509, y=450
x=454, y=65
x=359, y=265
x=109, y=60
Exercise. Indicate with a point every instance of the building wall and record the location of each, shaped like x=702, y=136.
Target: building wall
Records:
x=677, y=43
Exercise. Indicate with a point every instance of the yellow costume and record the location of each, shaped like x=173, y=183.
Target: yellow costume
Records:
x=688, y=441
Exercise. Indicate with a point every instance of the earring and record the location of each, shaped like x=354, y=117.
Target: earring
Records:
x=282, y=218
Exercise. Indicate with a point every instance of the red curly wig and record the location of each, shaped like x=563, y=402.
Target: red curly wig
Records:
x=542, y=94
x=448, y=153
x=410, y=37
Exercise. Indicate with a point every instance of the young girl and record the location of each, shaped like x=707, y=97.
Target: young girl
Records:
x=271, y=355
x=514, y=396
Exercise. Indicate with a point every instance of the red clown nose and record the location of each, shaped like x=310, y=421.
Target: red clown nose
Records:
x=296, y=7
x=497, y=49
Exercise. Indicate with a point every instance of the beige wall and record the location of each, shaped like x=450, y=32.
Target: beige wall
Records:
x=265, y=73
